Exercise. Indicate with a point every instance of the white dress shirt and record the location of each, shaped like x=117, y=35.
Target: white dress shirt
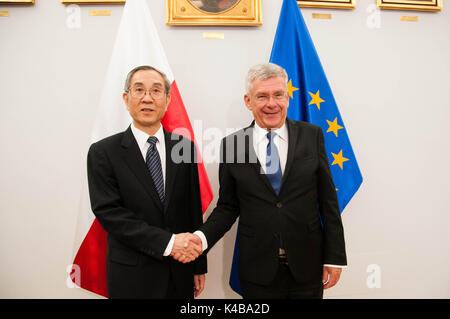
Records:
x=260, y=142
x=142, y=141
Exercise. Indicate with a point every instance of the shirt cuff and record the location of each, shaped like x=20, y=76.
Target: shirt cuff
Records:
x=200, y=234
x=169, y=246
x=336, y=266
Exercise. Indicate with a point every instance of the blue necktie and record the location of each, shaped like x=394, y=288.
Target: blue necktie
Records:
x=273, y=167
x=154, y=166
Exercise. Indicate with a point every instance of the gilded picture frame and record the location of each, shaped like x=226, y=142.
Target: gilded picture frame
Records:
x=214, y=12
x=333, y=4
x=417, y=5
x=93, y=1
x=16, y=1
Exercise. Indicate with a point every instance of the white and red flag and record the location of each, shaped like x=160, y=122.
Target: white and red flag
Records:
x=137, y=43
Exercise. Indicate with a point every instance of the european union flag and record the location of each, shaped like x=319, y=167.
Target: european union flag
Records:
x=311, y=100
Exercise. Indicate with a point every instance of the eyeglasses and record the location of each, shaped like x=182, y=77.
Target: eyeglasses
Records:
x=264, y=98
x=138, y=92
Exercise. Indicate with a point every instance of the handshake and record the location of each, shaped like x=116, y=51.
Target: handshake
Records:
x=186, y=247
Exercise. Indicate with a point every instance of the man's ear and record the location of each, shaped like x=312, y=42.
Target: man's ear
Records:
x=168, y=99
x=247, y=101
x=125, y=99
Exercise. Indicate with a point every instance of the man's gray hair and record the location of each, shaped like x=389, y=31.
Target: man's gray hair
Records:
x=263, y=72
x=146, y=68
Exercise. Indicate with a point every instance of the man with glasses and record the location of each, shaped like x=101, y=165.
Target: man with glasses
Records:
x=274, y=175
x=146, y=200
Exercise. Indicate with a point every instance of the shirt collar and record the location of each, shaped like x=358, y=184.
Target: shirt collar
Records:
x=261, y=133
x=142, y=137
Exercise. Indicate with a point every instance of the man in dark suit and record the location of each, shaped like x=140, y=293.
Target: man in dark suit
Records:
x=274, y=175
x=146, y=196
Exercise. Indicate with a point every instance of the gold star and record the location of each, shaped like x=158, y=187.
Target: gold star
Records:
x=339, y=159
x=291, y=89
x=334, y=127
x=316, y=99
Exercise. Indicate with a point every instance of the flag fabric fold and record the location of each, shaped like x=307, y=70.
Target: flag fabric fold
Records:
x=311, y=100
x=137, y=43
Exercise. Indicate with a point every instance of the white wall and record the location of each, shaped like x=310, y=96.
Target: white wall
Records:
x=391, y=84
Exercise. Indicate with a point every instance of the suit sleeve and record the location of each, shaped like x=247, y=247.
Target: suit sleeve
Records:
x=227, y=208
x=200, y=264
x=118, y=221
x=334, y=245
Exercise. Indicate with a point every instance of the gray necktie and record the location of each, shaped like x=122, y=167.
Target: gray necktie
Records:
x=154, y=166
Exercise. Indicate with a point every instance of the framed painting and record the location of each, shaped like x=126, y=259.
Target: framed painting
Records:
x=16, y=1
x=214, y=12
x=335, y=4
x=418, y=5
x=93, y=1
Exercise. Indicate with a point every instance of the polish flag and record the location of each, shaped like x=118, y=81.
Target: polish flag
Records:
x=137, y=43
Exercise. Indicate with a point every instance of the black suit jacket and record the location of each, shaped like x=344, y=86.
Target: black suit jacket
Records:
x=306, y=212
x=139, y=227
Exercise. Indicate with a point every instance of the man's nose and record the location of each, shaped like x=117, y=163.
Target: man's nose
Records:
x=271, y=101
x=147, y=97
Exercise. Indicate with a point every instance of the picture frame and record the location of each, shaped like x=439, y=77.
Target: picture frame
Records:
x=417, y=5
x=332, y=4
x=92, y=1
x=16, y=1
x=214, y=12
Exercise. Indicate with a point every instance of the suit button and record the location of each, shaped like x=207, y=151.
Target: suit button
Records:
x=279, y=205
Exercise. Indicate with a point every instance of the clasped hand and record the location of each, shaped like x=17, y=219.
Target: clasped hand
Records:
x=186, y=247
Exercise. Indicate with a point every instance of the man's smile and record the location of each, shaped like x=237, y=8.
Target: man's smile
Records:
x=269, y=113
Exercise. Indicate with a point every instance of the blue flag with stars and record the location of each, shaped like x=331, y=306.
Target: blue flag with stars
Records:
x=311, y=100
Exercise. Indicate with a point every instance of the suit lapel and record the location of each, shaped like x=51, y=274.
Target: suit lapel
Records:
x=293, y=133
x=134, y=160
x=252, y=158
x=171, y=168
